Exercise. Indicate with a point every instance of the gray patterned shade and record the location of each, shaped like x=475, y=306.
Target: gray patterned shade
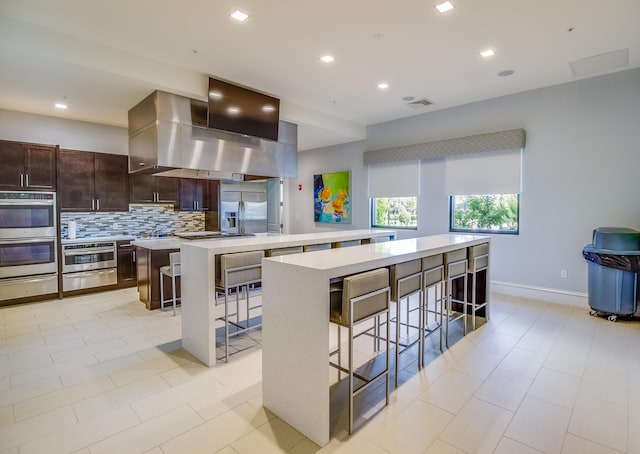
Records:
x=494, y=141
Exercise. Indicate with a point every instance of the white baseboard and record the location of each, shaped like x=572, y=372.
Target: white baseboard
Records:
x=540, y=293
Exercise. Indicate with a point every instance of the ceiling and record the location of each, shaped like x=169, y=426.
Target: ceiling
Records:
x=102, y=58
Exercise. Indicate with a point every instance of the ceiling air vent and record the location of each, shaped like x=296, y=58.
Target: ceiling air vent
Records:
x=419, y=104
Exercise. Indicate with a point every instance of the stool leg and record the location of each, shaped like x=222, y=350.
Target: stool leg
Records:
x=173, y=284
x=339, y=352
x=398, y=304
x=351, y=377
x=387, y=352
x=226, y=327
x=473, y=301
x=161, y=291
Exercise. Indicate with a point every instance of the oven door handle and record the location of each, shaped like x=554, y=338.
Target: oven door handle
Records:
x=28, y=202
x=27, y=240
x=89, y=251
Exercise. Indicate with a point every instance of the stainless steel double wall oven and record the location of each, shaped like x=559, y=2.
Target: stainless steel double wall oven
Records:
x=28, y=244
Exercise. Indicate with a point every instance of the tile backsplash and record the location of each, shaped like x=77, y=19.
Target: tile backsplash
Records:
x=141, y=220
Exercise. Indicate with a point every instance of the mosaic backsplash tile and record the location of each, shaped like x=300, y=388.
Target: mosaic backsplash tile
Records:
x=141, y=220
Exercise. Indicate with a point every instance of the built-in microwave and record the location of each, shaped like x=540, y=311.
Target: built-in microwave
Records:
x=27, y=214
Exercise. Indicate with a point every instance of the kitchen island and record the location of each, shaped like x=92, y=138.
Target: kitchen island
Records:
x=295, y=313
x=151, y=254
x=198, y=277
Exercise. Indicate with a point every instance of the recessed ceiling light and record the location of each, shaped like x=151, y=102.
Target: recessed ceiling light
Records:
x=408, y=98
x=60, y=105
x=506, y=72
x=444, y=7
x=239, y=15
x=383, y=85
x=378, y=36
x=487, y=53
x=327, y=58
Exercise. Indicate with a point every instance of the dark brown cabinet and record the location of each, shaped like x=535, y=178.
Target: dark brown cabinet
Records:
x=93, y=181
x=195, y=195
x=27, y=166
x=151, y=189
x=148, y=263
x=126, y=264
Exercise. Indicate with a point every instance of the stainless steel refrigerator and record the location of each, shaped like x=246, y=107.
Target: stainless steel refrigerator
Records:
x=243, y=208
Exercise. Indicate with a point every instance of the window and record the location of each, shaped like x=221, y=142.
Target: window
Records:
x=396, y=212
x=485, y=213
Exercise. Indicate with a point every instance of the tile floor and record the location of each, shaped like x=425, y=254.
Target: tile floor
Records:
x=100, y=373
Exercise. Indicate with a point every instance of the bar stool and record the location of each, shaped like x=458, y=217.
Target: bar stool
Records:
x=432, y=278
x=171, y=270
x=316, y=247
x=237, y=271
x=478, y=261
x=406, y=281
x=365, y=297
x=455, y=267
x=284, y=251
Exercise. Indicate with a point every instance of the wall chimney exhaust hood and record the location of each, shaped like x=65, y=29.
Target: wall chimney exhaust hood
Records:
x=168, y=136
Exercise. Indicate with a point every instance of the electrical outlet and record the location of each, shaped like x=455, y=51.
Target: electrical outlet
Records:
x=563, y=274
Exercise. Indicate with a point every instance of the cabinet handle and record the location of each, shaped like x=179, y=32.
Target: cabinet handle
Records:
x=21, y=179
x=134, y=256
x=93, y=204
x=26, y=177
x=97, y=204
x=155, y=197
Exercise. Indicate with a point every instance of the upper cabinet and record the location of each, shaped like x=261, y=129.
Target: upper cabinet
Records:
x=195, y=195
x=27, y=167
x=151, y=189
x=93, y=181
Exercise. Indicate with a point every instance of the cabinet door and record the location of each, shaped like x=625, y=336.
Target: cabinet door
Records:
x=188, y=194
x=203, y=194
x=143, y=188
x=168, y=190
x=76, y=177
x=126, y=264
x=111, y=182
x=12, y=168
x=40, y=167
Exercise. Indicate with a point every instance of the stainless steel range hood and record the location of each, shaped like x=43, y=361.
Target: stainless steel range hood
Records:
x=168, y=136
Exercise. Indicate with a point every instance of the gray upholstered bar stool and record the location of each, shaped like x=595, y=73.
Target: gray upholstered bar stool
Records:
x=316, y=247
x=171, y=270
x=365, y=297
x=478, y=261
x=237, y=271
x=346, y=243
x=284, y=251
x=434, y=283
x=455, y=267
x=406, y=281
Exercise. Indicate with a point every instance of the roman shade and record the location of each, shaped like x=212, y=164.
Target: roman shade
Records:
x=484, y=173
x=400, y=179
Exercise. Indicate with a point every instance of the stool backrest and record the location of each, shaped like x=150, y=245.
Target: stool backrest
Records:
x=478, y=257
x=406, y=279
x=363, y=284
x=240, y=268
x=174, y=263
x=284, y=251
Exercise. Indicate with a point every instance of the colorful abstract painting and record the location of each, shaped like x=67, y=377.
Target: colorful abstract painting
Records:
x=332, y=197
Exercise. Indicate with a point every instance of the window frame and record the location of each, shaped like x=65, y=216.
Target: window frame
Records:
x=373, y=225
x=483, y=231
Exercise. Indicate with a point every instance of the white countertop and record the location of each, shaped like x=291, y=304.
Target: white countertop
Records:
x=158, y=244
x=98, y=238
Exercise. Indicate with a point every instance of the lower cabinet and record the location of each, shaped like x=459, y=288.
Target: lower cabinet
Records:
x=126, y=264
x=148, y=263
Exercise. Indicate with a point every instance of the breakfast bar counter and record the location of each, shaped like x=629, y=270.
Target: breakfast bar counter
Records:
x=197, y=262
x=295, y=323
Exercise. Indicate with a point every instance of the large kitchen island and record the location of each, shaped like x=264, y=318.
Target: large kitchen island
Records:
x=198, y=276
x=295, y=298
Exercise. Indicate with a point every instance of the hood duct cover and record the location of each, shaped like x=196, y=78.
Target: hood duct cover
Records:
x=168, y=136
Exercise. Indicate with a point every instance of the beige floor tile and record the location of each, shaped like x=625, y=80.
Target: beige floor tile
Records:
x=306, y=446
x=451, y=391
x=93, y=349
x=540, y=425
x=32, y=428
x=13, y=450
x=6, y=415
x=61, y=398
x=82, y=434
x=171, y=398
x=600, y=421
x=523, y=362
x=25, y=366
x=21, y=393
x=605, y=384
x=225, y=450
x=155, y=450
x=76, y=366
x=509, y=446
x=478, y=427
x=275, y=436
x=634, y=421
x=143, y=369
x=478, y=363
x=45, y=350
x=440, y=447
x=217, y=433
x=568, y=360
x=95, y=370
x=555, y=387
x=225, y=399
x=498, y=343
x=504, y=389
x=115, y=398
x=414, y=429
x=145, y=436
x=577, y=445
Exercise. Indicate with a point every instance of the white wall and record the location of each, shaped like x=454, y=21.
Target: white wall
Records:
x=70, y=134
x=581, y=170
